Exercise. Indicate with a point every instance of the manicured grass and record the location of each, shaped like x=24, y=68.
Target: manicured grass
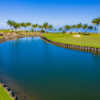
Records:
x=26, y=33
x=5, y=31
x=4, y=95
x=1, y=37
x=91, y=40
x=29, y=33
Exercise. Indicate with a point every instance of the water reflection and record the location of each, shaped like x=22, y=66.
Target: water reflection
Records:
x=48, y=72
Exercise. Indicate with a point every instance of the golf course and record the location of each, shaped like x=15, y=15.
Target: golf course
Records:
x=49, y=50
x=91, y=40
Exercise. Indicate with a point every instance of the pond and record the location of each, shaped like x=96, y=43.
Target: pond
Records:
x=48, y=72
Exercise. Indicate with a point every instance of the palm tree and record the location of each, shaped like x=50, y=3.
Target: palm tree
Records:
x=73, y=26
x=40, y=27
x=60, y=29
x=85, y=27
x=67, y=27
x=45, y=26
x=50, y=27
x=28, y=24
x=35, y=26
x=79, y=26
x=23, y=25
x=16, y=26
x=90, y=28
x=10, y=23
x=96, y=22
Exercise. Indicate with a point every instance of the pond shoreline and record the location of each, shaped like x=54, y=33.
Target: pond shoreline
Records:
x=4, y=39
x=15, y=83
x=17, y=36
x=17, y=92
x=9, y=91
x=5, y=81
x=93, y=50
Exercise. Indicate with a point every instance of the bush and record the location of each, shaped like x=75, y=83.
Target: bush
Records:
x=42, y=31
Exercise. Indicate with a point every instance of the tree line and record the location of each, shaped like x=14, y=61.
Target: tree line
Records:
x=81, y=28
x=34, y=27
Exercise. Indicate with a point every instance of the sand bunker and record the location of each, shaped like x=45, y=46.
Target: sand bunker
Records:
x=76, y=36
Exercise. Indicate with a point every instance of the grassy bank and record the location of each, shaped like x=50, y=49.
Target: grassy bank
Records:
x=21, y=32
x=4, y=95
x=91, y=40
x=5, y=31
x=1, y=37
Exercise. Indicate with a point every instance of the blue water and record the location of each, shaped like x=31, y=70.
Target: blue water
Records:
x=48, y=72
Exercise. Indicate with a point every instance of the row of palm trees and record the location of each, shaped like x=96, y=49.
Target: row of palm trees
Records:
x=81, y=28
x=77, y=28
x=34, y=27
x=96, y=23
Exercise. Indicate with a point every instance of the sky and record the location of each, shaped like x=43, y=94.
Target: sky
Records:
x=56, y=12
